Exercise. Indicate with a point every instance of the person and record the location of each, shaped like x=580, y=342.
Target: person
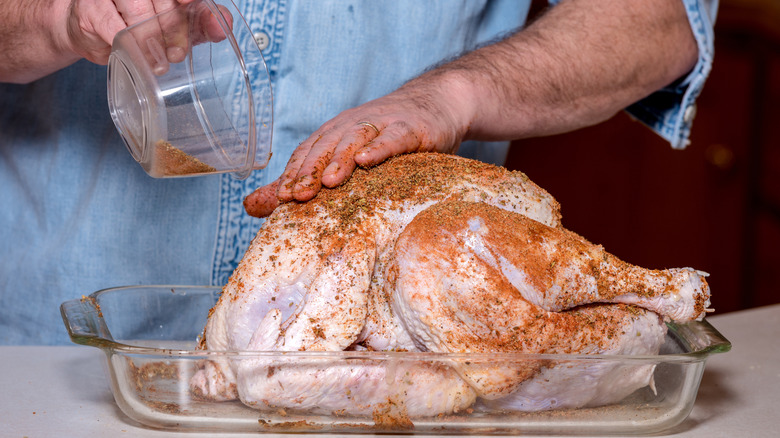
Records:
x=354, y=83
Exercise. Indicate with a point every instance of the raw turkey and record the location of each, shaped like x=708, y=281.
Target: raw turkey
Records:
x=434, y=253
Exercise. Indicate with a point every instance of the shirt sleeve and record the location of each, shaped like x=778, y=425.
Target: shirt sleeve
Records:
x=670, y=110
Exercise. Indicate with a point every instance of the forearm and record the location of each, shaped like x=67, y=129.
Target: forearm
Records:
x=32, y=33
x=579, y=64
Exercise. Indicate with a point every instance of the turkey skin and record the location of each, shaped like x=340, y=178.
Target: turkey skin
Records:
x=434, y=253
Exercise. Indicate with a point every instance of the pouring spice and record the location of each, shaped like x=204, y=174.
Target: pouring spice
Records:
x=169, y=160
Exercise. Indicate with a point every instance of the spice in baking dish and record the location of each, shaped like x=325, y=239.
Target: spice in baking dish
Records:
x=169, y=160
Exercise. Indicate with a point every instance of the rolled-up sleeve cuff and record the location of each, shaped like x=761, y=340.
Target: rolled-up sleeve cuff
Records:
x=671, y=110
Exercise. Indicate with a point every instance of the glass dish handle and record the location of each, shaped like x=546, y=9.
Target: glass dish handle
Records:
x=702, y=337
x=85, y=322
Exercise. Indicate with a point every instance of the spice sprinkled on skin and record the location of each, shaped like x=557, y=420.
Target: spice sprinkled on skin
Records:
x=425, y=252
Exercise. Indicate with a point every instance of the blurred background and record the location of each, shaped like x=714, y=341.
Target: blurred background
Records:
x=714, y=206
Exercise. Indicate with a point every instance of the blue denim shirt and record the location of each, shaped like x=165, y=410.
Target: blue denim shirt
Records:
x=78, y=214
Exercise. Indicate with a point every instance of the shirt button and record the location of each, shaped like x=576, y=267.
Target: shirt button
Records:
x=262, y=39
x=689, y=114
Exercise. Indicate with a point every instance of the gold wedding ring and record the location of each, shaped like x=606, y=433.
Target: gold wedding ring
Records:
x=370, y=125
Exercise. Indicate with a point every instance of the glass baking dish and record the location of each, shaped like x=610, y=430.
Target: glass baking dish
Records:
x=149, y=335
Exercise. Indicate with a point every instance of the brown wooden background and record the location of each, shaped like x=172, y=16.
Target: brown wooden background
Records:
x=714, y=206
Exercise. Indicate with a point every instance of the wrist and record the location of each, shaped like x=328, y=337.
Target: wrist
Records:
x=482, y=90
x=31, y=40
x=56, y=17
x=454, y=95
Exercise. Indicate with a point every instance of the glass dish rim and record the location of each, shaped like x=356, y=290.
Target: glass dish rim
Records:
x=716, y=344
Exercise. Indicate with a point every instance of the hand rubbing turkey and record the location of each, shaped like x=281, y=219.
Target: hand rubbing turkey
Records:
x=431, y=252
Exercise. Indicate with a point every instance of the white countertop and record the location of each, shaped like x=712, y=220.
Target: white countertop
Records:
x=63, y=391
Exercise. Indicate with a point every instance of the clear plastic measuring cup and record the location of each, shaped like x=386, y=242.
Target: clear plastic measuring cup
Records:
x=190, y=93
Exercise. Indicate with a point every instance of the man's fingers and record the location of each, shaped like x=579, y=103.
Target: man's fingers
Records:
x=365, y=135
x=175, y=33
x=397, y=138
x=93, y=24
x=209, y=25
x=289, y=176
x=162, y=40
x=107, y=23
x=262, y=201
x=91, y=29
x=324, y=159
x=343, y=161
x=133, y=11
x=308, y=181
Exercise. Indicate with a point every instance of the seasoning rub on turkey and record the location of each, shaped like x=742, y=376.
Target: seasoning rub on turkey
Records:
x=435, y=253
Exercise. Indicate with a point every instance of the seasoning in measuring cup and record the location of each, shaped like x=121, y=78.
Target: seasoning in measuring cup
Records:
x=169, y=160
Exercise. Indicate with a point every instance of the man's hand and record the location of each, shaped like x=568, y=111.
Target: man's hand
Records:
x=425, y=115
x=92, y=24
x=43, y=36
